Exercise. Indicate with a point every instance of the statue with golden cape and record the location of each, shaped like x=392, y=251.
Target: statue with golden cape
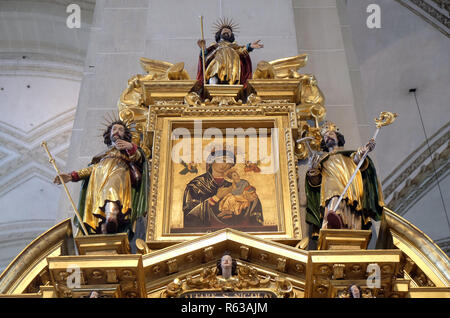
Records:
x=225, y=61
x=115, y=184
x=326, y=179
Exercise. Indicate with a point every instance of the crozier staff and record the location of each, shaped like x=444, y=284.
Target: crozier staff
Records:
x=327, y=177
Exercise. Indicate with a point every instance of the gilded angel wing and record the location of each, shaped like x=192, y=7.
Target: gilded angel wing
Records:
x=287, y=67
x=155, y=67
x=161, y=70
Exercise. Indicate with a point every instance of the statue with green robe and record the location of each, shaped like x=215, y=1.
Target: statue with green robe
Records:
x=115, y=184
x=327, y=176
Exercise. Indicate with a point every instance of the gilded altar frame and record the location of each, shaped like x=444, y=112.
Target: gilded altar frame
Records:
x=162, y=119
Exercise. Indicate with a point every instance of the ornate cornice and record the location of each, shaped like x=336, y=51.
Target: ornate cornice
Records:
x=435, y=12
x=419, y=172
x=444, y=244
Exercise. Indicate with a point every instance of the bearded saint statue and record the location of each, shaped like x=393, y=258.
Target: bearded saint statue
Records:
x=115, y=184
x=226, y=62
x=327, y=177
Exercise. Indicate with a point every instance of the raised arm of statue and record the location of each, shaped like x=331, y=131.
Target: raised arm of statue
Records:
x=370, y=146
x=256, y=45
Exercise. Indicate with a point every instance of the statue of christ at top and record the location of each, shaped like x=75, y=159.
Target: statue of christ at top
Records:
x=226, y=62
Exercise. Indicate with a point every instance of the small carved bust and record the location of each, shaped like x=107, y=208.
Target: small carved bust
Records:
x=94, y=294
x=227, y=266
x=354, y=291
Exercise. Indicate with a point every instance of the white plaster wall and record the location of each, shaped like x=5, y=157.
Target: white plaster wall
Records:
x=431, y=208
x=272, y=22
x=319, y=34
x=41, y=62
x=30, y=107
x=407, y=52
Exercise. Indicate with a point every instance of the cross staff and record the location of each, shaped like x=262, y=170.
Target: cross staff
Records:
x=385, y=118
x=52, y=161
x=203, y=51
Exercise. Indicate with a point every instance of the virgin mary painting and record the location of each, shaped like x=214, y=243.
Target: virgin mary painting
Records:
x=211, y=201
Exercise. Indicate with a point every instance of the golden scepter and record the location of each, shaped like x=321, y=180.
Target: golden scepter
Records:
x=52, y=161
x=385, y=118
x=203, y=52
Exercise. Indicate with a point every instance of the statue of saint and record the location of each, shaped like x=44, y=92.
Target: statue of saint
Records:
x=225, y=61
x=115, y=184
x=326, y=179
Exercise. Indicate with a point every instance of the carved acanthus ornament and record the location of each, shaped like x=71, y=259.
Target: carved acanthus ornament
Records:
x=247, y=279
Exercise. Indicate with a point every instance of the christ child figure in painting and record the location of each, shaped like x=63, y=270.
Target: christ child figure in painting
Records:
x=242, y=194
x=115, y=185
x=203, y=195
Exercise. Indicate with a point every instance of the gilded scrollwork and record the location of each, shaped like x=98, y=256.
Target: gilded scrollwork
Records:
x=96, y=274
x=253, y=99
x=206, y=279
x=193, y=99
x=173, y=289
x=63, y=291
x=299, y=268
x=309, y=134
x=132, y=104
x=247, y=279
x=133, y=95
x=127, y=274
x=310, y=93
x=422, y=280
x=343, y=294
x=284, y=288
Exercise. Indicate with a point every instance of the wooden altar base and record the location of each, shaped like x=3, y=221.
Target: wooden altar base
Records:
x=344, y=239
x=103, y=244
